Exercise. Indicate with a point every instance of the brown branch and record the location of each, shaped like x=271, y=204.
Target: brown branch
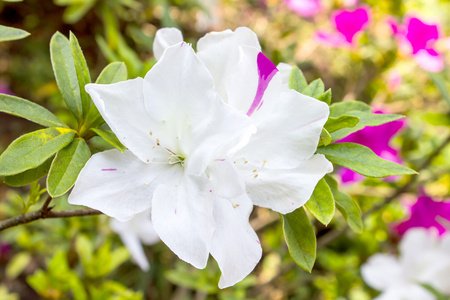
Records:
x=45, y=212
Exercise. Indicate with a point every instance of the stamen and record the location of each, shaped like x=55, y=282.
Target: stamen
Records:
x=234, y=204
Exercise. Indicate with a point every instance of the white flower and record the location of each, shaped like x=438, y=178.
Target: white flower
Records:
x=208, y=136
x=423, y=259
x=278, y=163
x=134, y=233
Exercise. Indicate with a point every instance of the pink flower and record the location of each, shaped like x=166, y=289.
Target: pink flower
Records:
x=377, y=139
x=4, y=89
x=427, y=213
x=348, y=23
x=394, y=80
x=418, y=39
x=350, y=2
x=304, y=8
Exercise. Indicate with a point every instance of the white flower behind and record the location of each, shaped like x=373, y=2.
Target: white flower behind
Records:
x=134, y=233
x=423, y=259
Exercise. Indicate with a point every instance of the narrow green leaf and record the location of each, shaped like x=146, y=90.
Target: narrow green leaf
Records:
x=74, y=12
x=17, y=264
x=33, y=149
x=300, y=238
x=112, y=73
x=66, y=166
x=66, y=74
x=325, y=138
x=344, y=121
x=11, y=34
x=28, y=110
x=321, y=203
x=29, y=176
x=441, y=85
x=362, y=160
x=326, y=97
x=82, y=70
x=110, y=137
x=297, y=80
x=315, y=89
x=365, y=119
x=346, y=205
x=341, y=108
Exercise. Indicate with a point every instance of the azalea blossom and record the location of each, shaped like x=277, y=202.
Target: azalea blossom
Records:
x=134, y=233
x=378, y=139
x=427, y=213
x=209, y=135
x=304, y=8
x=418, y=38
x=347, y=23
x=423, y=259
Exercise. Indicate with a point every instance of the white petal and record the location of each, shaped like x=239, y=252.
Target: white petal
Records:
x=193, y=120
x=225, y=178
x=122, y=107
x=235, y=246
x=285, y=190
x=182, y=217
x=382, y=271
x=219, y=51
x=285, y=73
x=288, y=134
x=118, y=184
x=406, y=292
x=131, y=240
x=164, y=38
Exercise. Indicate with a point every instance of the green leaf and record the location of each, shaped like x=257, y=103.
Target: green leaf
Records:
x=10, y=33
x=315, y=89
x=321, y=204
x=29, y=176
x=74, y=12
x=365, y=119
x=341, y=108
x=66, y=74
x=441, y=85
x=66, y=166
x=300, y=238
x=326, y=97
x=297, y=80
x=33, y=149
x=112, y=73
x=346, y=205
x=82, y=70
x=28, y=110
x=362, y=160
x=17, y=264
x=437, y=119
x=344, y=121
x=325, y=138
x=110, y=137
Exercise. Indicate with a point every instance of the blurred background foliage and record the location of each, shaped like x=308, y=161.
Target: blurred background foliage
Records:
x=81, y=258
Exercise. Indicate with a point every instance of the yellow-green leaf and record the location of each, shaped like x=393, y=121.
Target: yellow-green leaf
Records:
x=33, y=149
x=10, y=33
x=321, y=203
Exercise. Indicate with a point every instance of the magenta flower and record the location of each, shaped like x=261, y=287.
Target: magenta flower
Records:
x=427, y=213
x=4, y=89
x=348, y=23
x=304, y=8
x=418, y=39
x=377, y=139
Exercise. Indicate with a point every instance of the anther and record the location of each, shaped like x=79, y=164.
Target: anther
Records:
x=256, y=175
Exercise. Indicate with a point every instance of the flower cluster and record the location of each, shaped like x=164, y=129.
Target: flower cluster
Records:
x=209, y=135
x=424, y=259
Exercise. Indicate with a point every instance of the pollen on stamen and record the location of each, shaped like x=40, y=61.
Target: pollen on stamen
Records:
x=157, y=141
x=256, y=175
x=245, y=161
x=151, y=133
x=148, y=160
x=254, y=170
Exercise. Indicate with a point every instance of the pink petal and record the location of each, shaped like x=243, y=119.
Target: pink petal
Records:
x=420, y=34
x=349, y=22
x=304, y=8
x=332, y=39
x=430, y=60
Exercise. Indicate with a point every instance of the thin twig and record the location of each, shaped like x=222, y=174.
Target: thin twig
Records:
x=45, y=212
